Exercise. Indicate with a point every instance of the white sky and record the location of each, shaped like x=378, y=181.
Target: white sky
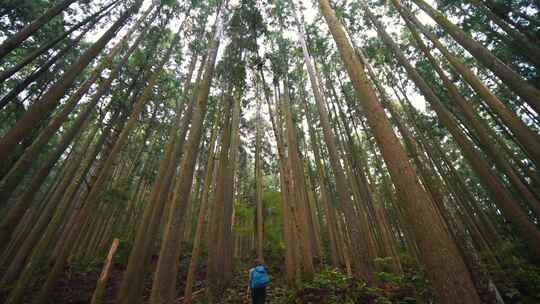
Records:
x=310, y=14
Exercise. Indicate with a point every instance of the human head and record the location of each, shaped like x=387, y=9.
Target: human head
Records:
x=258, y=262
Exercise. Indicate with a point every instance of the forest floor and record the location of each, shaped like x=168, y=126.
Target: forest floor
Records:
x=79, y=282
x=76, y=287
x=329, y=286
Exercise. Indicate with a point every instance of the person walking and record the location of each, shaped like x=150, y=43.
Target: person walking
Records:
x=258, y=281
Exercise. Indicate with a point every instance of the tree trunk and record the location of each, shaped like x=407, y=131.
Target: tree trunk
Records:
x=188, y=292
x=473, y=121
x=132, y=280
x=448, y=272
x=299, y=204
x=15, y=213
x=360, y=249
x=103, y=278
x=11, y=43
x=91, y=20
x=290, y=261
x=530, y=141
x=164, y=286
x=259, y=220
x=527, y=230
x=512, y=79
x=41, y=108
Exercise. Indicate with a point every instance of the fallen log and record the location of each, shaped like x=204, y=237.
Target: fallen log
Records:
x=181, y=300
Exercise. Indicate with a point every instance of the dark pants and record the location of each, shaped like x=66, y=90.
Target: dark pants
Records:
x=258, y=295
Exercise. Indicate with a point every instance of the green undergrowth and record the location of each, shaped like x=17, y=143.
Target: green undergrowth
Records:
x=331, y=286
x=516, y=277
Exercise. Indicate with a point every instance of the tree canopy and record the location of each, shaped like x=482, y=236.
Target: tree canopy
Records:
x=364, y=151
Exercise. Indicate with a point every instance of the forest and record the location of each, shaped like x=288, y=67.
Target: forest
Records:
x=361, y=151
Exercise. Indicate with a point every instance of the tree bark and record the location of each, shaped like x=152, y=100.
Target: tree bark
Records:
x=512, y=79
x=448, y=272
x=103, y=278
x=473, y=121
x=527, y=230
x=91, y=20
x=11, y=43
x=188, y=292
x=530, y=141
x=360, y=249
x=41, y=108
x=164, y=286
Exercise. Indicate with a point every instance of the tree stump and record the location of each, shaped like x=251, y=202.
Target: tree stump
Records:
x=102, y=281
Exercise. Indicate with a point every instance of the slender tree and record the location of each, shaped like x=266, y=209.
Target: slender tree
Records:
x=164, y=287
x=50, y=100
x=11, y=43
x=436, y=246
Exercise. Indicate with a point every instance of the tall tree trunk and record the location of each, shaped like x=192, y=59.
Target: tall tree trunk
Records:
x=473, y=121
x=527, y=230
x=164, y=286
x=435, y=154
x=324, y=198
x=215, y=253
x=299, y=204
x=90, y=20
x=226, y=240
x=530, y=141
x=41, y=108
x=133, y=277
x=360, y=248
x=188, y=292
x=290, y=261
x=11, y=43
x=372, y=205
x=512, y=79
x=449, y=273
x=21, y=167
x=259, y=220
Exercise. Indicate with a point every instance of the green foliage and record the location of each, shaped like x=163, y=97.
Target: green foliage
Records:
x=515, y=277
x=384, y=263
x=388, y=277
x=123, y=251
x=332, y=286
x=170, y=3
x=282, y=295
x=83, y=265
x=114, y=197
x=273, y=231
x=478, y=25
x=414, y=277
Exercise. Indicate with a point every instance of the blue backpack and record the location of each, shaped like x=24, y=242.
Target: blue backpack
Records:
x=259, y=277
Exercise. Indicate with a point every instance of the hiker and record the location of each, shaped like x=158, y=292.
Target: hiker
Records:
x=258, y=280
